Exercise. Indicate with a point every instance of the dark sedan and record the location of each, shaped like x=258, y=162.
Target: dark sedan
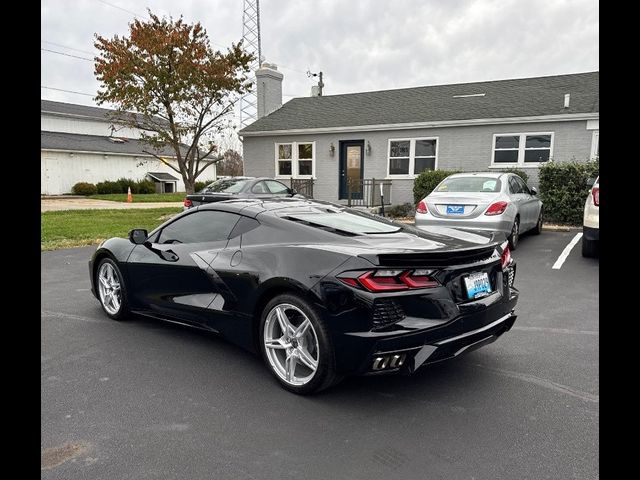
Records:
x=239, y=187
x=321, y=291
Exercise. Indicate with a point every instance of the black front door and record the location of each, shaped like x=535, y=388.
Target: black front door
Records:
x=351, y=168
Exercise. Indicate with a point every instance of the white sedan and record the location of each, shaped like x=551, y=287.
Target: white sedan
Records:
x=591, y=222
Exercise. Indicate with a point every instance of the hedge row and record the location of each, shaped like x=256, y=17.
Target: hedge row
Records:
x=199, y=186
x=119, y=186
x=427, y=181
x=564, y=188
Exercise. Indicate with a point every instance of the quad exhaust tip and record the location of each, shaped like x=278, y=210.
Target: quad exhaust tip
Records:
x=389, y=362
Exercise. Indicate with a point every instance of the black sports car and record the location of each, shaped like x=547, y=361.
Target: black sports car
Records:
x=240, y=187
x=322, y=291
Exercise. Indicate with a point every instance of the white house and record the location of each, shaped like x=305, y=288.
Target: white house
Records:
x=81, y=144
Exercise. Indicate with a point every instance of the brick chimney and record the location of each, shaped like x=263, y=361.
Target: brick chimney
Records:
x=269, y=88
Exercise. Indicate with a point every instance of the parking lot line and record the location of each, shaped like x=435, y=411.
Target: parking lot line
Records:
x=567, y=250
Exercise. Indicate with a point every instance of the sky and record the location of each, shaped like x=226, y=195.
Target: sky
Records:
x=359, y=45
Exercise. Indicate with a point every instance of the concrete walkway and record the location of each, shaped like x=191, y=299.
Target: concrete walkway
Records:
x=48, y=205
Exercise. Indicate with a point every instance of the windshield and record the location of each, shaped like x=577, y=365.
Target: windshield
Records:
x=345, y=222
x=469, y=184
x=227, y=185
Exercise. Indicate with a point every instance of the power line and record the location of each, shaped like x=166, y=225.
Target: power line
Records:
x=67, y=91
x=68, y=48
x=120, y=8
x=66, y=54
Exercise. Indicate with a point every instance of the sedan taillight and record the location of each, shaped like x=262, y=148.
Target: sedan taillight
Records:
x=389, y=280
x=188, y=203
x=421, y=207
x=496, y=208
x=595, y=191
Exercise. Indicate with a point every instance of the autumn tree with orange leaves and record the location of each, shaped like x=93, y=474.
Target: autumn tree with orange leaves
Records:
x=181, y=90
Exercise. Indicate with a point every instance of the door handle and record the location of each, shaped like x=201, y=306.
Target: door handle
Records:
x=168, y=254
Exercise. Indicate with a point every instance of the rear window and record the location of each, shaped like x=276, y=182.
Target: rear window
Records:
x=344, y=222
x=470, y=184
x=227, y=185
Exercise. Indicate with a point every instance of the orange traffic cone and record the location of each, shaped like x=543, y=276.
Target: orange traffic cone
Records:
x=129, y=196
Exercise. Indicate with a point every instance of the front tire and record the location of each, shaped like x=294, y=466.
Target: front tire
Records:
x=296, y=345
x=514, y=238
x=112, y=291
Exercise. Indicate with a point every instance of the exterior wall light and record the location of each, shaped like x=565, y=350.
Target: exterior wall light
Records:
x=332, y=149
x=368, y=149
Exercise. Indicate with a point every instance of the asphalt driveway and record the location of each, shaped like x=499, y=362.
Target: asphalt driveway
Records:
x=147, y=400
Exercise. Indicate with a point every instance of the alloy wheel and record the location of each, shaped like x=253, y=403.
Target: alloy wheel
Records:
x=291, y=344
x=109, y=288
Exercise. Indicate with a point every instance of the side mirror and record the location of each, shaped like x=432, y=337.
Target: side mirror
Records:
x=534, y=191
x=590, y=181
x=292, y=192
x=138, y=236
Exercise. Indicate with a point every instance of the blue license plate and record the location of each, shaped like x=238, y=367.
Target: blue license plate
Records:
x=455, y=209
x=477, y=285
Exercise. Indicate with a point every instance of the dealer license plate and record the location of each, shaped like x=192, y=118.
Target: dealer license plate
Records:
x=455, y=209
x=477, y=285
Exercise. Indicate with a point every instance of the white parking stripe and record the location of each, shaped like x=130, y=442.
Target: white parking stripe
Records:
x=567, y=250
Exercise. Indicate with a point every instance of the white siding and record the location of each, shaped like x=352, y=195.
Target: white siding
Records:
x=54, y=123
x=59, y=171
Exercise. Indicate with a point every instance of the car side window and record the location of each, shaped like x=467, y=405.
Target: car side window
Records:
x=198, y=227
x=277, y=188
x=514, y=187
x=523, y=186
x=259, y=187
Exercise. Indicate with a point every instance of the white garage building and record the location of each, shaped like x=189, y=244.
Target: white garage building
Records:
x=80, y=144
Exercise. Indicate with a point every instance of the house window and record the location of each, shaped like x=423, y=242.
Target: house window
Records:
x=283, y=166
x=295, y=160
x=522, y=148
x=411, y=156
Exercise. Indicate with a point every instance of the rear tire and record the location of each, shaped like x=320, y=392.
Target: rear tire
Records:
x=537, y=230
x=589, y=248
x=289, y=353
x=514, y=238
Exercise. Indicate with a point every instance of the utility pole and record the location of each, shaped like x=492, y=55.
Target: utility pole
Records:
x=252, y=44
x=320, y=82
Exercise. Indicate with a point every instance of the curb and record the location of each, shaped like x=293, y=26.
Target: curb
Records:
x=60, y=197
x=559, y=228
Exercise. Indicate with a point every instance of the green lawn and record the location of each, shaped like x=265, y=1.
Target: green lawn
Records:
x=142, y=197
x=75, y=228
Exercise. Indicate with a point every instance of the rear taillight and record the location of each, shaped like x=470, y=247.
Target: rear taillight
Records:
x=505, y=258
x=496, y=208
x=389, y=280
x=188, y=203
x=595, y=191
x=422, y=207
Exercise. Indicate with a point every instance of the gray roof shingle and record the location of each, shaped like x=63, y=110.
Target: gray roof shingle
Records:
x=161, y=176
x=521, y=97
x=95, y=143
x=72, y=109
